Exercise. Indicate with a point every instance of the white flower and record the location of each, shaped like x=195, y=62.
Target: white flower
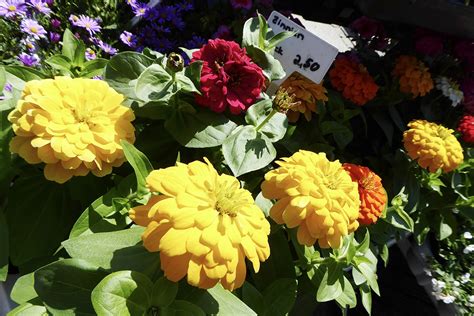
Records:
x=471, y=298
x=465, y=278
x=447, y=299
x=450, y=89
x=467, y=235
x=468, y=249
x=438, y=286
x=456, y=283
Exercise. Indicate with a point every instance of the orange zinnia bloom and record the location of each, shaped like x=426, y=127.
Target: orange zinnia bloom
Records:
x=414, y=76
x=373, y=198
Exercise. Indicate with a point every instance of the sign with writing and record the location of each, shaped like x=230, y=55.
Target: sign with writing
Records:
x=305, y=52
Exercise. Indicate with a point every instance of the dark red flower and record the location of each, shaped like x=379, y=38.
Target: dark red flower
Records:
x=430, y=45
x=466, y=128
x=366, y=27
x=229, y=78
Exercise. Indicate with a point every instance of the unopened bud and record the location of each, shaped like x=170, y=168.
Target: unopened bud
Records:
x=175, y=62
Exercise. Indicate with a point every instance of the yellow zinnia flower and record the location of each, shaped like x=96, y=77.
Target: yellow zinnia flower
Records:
x=307, y=93
x=315, y=195
x=72, y=125
x=433, y=146
x=203, y=224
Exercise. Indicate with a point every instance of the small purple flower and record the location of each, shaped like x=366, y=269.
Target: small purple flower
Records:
x=54, y=37
x=73, y=19
x=40, y=6
x=223, y=32
x=195, y=41
x=184, y=6
x=29, y=60
x=8, y=87
x=161, y=28
x=132, y=3
x=140, y=9
x=179, y=23
x=55, y=23
x=97, y=77
x=107, y=48
x=11, y=8
x=90, y=54
x=128, y=39
x=33, y=28
x=29, y=44
x=89, y=24
x=162, y=45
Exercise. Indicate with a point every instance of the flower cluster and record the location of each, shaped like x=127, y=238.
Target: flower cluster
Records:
x=352, y=79
x=229, y=78
x=74, y=126
x=414, y=77
x=372, y=31
x=372, y=195
x=450, y=89
x=203, y=224
x=433, y=146
x=306, y=93
x=466, y=128
x=315, y=195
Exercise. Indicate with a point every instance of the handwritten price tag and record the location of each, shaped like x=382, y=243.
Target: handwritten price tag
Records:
x=305, y=52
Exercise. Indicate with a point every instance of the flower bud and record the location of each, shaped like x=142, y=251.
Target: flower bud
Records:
x=175, y=62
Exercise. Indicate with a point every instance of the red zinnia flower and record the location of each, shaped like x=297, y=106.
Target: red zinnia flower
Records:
x=229, y=78
x=466, y=127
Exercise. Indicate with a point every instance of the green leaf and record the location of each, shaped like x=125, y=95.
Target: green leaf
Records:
x=397, y=217
x=275, y=128
x=154, y=84
x=348, y=297
x=341, y=133
x=253, y=298
x=4, y=248
x=384, y=254
x=189, y=52
x=366, y=295
x=263, y=29
x=369, y=274
x=229, y=304
x=65, y=286
x=122, y=293
x=123, y=70
x=28, y=309
x=73, y=48
x=199, y=130
x=272, y=68
x=23, y=73
x=39, y=223
x=445, y=229
x=246, y=150
x=251, y=33
x=61, y=63
x=193, y=72
x=164, y=292
x=121, y=250
x=182, y=308
x=140, y=164
x=101, y=215
x=364, y=245
x=264, y=204
x=277, y=39
x=331, y=284
x=24, y=289
x=95, y=67
x=280, y=296
x=187, y=84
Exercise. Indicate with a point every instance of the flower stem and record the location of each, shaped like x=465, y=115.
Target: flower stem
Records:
x=272, y=113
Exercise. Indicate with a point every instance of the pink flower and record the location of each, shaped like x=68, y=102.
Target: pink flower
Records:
x=430, y=45
x=241, y=4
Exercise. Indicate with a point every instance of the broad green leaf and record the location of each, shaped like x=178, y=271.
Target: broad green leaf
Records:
x=186, y=84
x=154, y=84
x=182, y=308
x=38, y=223
x=253, y=298
x=280, y=296
x=366, y=295
x=4, y=248
x=123, y=70
x=23, y=73
x=24, y=289
x=199, y=130
x=384, y=254
x=277, y=39
x=348, y=297
x=341, y=133
x=331, y=286
x=122, y=293
x=369, y=274
x=272, y=68
x=397, y=217
x=94, y=67
x=140, y=164
x=28, y=309
x=164, y=292
x=65, y=286
x=229, y=304
x=251, y=33
x=193, y=72
x=364, y=245
x=6, y=171
x=275, y=128
x=246, y=150
x=444, y=229
x=101, y=215
x=121, y=250
x=61, y=63
x=73, y=48
x=189, y=52
x=263, y=29
x=264, y=204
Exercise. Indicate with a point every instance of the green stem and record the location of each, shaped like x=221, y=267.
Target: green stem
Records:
x=273, y=112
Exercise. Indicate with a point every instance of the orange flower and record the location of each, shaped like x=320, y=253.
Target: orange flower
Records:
x=414, y=76
x=373, y=198
x=307, y=93
x=353, y=80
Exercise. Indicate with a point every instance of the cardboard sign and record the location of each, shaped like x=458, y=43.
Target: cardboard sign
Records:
x=305, y=52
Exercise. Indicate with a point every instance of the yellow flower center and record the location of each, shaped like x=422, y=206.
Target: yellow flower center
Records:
x=87, y=25
x=12, y=8
x=34, y=29
x=368, y=182
x=226, y=203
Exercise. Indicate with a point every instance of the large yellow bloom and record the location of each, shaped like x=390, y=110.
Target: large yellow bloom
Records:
x=433, y=145
x=74, y=126
x=316, y=195
x=307, y=93
x=203, y=224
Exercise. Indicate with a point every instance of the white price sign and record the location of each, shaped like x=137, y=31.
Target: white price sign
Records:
x=305, y=52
